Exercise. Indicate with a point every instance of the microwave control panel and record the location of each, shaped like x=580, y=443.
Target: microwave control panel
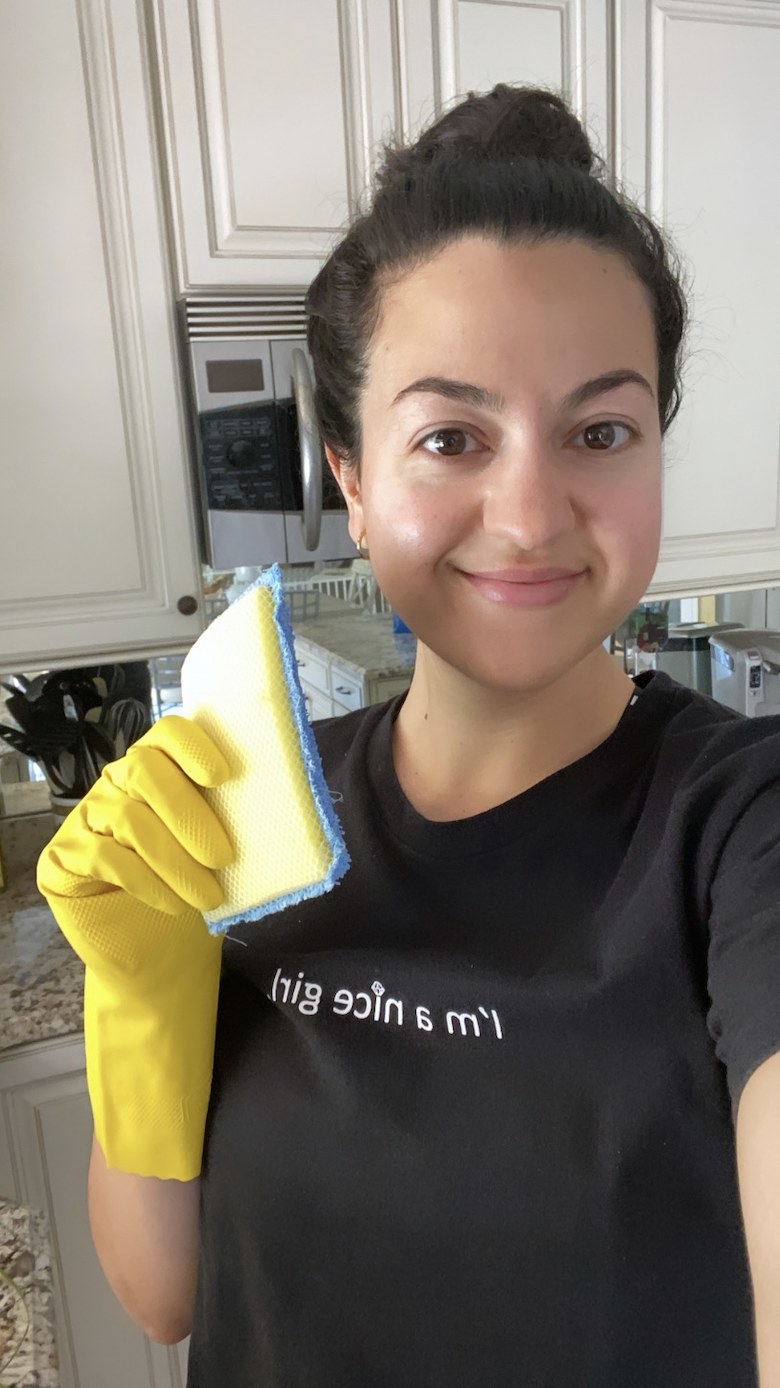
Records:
x=240, y=458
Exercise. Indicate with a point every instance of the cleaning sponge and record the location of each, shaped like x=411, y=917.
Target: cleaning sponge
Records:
x=240, y=683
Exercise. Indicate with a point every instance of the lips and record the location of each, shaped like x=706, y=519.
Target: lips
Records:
x=518, y=575
x=525, y=587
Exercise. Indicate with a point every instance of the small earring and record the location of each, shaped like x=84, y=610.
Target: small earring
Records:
x=364, y=554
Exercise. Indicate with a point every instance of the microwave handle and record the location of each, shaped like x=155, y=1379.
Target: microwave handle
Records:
x=311, y=449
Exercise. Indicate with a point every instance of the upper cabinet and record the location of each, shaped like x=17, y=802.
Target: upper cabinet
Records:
x=274, y=114
x=558, y=43
x=697, y=119
x=268, y=128
x=97, y=542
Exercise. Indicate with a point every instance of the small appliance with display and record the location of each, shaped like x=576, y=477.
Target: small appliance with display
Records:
x=746, y=670
x=265, y=489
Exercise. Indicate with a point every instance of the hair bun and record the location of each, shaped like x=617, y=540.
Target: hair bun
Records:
x=504, y=124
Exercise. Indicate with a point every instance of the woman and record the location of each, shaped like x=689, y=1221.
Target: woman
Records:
x=473, y=1113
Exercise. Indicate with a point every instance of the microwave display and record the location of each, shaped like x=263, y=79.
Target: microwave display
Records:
x=234, y=376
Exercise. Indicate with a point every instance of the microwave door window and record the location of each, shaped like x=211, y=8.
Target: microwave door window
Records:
x=332, y=498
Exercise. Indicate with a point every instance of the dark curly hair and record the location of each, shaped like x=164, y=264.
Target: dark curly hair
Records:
x=514, y=164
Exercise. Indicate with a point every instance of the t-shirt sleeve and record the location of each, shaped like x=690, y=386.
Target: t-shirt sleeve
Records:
x=744, y=943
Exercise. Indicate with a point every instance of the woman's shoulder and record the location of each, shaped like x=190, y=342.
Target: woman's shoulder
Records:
x=698, y=719
x=715, y=758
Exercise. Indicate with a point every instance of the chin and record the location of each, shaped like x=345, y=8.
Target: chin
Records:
x=532, y=666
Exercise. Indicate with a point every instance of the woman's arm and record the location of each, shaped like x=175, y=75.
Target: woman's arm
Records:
x=145, y=1231
x=758, y=1155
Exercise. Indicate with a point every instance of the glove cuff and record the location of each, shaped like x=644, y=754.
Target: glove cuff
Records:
x=149, y=1075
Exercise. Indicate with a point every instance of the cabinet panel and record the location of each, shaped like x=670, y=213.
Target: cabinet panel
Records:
x=314, y=673
x=318, y=705
x=691, y=139
x=386, y=687
x=44, y=1095
x=274, y=115
x=347, y=688
x=278, y=123
x=95, y=478
x=492, y=36
x=557, y=43
x=268, y=131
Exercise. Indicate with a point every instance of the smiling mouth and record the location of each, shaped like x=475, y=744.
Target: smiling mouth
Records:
x=525, y=588
x=519, y=575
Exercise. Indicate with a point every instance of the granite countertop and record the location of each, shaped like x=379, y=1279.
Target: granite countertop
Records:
x=365, y=642
x=41, y=979
x=28, y=1357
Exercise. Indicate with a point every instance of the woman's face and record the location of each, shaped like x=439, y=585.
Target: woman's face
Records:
x=493, y=448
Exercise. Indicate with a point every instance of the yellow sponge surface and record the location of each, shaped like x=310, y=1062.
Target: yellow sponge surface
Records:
x=240, y=683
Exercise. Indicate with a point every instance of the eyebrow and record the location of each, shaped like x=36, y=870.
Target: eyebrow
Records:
x=489, y=400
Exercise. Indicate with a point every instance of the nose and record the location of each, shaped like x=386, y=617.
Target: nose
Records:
x=527, y=497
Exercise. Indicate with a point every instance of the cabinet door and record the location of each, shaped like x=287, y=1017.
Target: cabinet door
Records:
x=267, y=121
x=386, y=687
x=562, y=44
x=697, y=116
x=97, y=542
x=318, y=705
x=44, y=1097
x=275, y=114
x=347, y=687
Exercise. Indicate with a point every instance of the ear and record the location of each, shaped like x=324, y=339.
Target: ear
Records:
x=346, y=474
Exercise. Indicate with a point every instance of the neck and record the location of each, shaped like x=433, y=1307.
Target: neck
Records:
x=460, y=749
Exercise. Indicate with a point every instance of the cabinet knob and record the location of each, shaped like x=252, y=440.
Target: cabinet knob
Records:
x=187, y=605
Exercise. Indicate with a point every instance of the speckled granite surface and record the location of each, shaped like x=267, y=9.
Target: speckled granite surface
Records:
x=28, y=1357
x=41, y=979
x=365, y=642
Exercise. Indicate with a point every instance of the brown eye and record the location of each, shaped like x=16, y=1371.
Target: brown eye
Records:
x=604, y=436
x=449, y=443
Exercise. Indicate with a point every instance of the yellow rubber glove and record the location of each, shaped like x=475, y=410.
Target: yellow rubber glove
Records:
x=127, y=876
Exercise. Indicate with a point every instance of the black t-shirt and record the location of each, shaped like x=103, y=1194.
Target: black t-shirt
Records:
x=471, y=1120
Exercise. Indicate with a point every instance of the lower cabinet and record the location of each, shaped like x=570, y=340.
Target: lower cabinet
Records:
x=45, y=1140
x=332, y=687
x=318, y=705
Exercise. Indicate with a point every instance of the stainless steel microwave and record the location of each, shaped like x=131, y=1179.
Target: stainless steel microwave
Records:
x=265, y=490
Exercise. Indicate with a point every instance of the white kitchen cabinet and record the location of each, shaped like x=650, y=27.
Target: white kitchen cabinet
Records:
x=45, y=1139
x=317, y=705
x=333, y=686
x=97, y=540
x=697, y=115
x=269, y=124
x=274, y=114
x=561, y=44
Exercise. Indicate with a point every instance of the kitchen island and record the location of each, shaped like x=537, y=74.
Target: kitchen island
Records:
x=348, y=658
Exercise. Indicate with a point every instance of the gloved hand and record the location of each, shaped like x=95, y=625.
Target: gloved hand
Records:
x=127, y=876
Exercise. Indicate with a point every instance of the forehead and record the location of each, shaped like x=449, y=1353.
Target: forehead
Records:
x=539, y=317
